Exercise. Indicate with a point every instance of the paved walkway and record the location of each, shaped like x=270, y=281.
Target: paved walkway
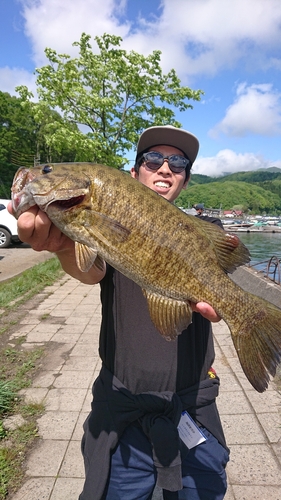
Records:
x=68, y=321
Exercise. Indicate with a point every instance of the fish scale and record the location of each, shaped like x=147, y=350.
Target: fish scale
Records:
x=174, y=257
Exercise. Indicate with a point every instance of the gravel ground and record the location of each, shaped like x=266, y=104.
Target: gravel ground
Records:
x=17, y=258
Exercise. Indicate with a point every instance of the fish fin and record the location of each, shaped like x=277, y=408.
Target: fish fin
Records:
x=230, y=250
x=107, y=230
x=86, y=257
x=99, y=263
x=169, y=316
x=257, y=341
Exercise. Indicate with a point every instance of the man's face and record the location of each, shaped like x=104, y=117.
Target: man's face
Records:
x=163, y=180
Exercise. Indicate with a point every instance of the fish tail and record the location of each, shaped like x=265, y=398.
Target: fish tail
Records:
x=257, y=341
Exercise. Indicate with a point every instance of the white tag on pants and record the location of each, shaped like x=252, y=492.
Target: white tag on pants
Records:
x=189, y=432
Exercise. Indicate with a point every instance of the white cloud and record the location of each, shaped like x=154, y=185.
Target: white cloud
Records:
x=13, y=77
x=57, y=23
x=227, y=162
x=205, y=36
x=195, y=37
x=256, y=110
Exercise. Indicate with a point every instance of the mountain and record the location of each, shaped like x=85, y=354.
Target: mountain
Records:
x=271, y=169
x=226, y=194
x=252, y=176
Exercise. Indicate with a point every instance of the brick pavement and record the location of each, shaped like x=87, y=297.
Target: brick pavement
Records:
x=68, y=320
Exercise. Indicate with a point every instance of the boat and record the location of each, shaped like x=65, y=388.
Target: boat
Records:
x=260, y=227
x=235, y=226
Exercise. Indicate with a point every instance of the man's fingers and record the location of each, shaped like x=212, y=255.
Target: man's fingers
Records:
x=206, y=311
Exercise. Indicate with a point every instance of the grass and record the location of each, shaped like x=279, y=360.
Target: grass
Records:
x=29, y=283
x=17, y=369
x=7, y=395
x=12, y=456
x=18, y=366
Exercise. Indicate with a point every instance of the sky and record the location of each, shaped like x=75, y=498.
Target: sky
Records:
x=229, y=49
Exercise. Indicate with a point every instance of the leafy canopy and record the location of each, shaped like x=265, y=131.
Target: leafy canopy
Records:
x=112, y=95
x=22, y=139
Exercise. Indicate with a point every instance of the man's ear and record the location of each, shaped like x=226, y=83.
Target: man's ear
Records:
x=186, y=182
x=134, y=173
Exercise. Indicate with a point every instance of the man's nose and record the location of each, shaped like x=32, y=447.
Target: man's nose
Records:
x=165, y=167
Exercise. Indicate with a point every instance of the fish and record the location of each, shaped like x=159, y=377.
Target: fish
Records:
x=174, y=257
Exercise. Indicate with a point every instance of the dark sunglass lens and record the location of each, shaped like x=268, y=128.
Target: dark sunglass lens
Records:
x=153, y=160
x=154, y=157
x=152, y=166
x=177, y=163
x=177, y=170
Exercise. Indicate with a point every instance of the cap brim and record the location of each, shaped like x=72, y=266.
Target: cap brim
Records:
x=170, y=136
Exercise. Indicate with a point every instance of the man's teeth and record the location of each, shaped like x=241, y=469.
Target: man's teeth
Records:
x=162, y=184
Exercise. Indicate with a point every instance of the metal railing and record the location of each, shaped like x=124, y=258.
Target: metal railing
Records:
x=271, y=269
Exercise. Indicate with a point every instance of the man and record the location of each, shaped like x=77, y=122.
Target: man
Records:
x=199, y=209
x=131, y=441
x=200, y=213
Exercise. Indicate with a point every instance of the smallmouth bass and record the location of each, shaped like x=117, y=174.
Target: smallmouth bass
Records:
x=174, y=257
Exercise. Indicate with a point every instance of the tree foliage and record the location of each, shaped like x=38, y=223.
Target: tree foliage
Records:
x=105, y=100
x=16, y=139
x=22, y=139
x=251, y=197
x=257, y=191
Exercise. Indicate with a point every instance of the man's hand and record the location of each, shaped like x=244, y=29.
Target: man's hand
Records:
x=36, y=229
x=206, y=311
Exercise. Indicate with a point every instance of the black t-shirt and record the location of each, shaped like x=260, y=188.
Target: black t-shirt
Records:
x=136, y=353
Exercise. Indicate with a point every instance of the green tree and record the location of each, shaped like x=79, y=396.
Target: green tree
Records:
x=17, y=140
x=111, y=96
x=22, y=138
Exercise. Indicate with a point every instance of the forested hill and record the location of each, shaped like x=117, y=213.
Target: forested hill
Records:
x=260, y=175
x=257, y=191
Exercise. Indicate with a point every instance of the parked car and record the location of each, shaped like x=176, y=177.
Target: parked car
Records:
x=8, y=226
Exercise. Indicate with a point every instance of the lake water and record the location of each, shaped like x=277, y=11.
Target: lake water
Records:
x=262, y=246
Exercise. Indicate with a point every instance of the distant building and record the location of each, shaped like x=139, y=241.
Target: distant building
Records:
x=233, y=213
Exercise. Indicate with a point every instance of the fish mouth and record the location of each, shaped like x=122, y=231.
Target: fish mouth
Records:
x=66, y=204
x=22, y=177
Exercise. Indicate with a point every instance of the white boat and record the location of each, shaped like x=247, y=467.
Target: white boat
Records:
x=260, y=227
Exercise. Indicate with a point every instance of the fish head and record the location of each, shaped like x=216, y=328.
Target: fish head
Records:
x=52, y=187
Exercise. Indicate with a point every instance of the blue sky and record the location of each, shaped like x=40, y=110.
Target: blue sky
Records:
x=229, y=49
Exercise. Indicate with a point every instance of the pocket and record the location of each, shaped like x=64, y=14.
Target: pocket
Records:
x=214, y=451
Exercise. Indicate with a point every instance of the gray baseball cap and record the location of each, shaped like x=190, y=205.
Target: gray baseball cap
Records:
x=170, y=136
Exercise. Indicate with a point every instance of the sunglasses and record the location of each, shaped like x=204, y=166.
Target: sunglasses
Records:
x=155, y=160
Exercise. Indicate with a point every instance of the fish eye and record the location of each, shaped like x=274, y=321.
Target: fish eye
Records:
x=47, y=169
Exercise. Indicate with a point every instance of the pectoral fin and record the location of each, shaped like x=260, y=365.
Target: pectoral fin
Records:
x=86, y=257
x=169, y=316
x=105, y=229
